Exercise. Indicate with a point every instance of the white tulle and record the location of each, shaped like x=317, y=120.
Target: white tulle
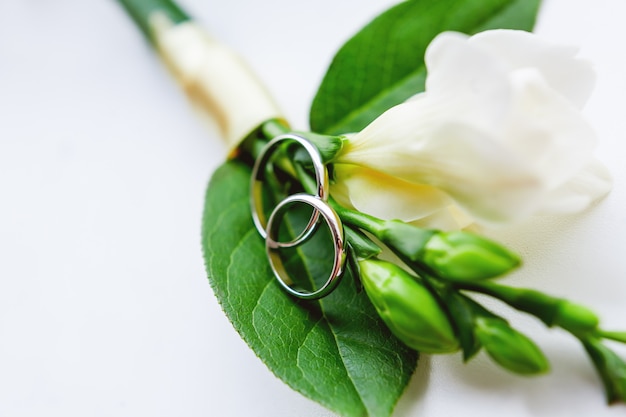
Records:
x=497, y=136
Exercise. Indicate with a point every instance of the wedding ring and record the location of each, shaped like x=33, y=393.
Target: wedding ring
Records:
x=258, y=178
x=272, y=246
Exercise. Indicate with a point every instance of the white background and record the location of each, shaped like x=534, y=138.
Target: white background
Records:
x=105, y=309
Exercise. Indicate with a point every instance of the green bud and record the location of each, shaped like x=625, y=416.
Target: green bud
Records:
x=510, y=348
x=611, y=369
x=407, y=307
x=575, y=318
x=463, y=256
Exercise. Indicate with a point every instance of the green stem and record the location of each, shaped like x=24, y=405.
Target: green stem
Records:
x=308, y=183
x=616, y=336
x=577, y=320
x=141, y=12
x=358, y=219
x=529, y=301
x=553, y=311
x=275, y=127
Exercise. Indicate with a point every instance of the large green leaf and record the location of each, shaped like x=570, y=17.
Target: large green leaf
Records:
x=335, y=351
x=383, y=64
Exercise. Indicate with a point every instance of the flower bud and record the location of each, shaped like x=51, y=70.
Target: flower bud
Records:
x=610, y=367
x=407, y=307
x=465, y=256
x=510, y=348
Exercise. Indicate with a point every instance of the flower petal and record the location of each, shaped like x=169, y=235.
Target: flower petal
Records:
x=570, y=76
x=590, y=184
x=448, y=218
x=546, y=130
x=459, y=70
x=385, y=197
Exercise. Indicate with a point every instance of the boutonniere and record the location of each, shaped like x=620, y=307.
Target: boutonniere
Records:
x=343, y=251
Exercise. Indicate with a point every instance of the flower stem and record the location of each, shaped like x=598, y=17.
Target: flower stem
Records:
x=616, y=336
x=358, y=219
x=274, y=127
x=553, y=311
x=142, y=11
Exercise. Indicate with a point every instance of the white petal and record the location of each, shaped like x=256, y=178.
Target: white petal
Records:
x=589, y=185
x=453, y=63
x=386, y=197
x=572, y=77
x=546, y=130
x=479, y=173
x=417, y=144
x=461, y=73
x=448, y=218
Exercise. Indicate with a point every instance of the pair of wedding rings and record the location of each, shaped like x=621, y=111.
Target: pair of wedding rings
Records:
x=268, y=227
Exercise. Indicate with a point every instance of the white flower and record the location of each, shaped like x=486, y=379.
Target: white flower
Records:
x=497, y=136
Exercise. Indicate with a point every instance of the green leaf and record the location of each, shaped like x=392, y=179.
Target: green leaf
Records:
x=335, y=351
x=383, y=64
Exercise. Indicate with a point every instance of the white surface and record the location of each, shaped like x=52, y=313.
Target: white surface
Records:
x=104, y=305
